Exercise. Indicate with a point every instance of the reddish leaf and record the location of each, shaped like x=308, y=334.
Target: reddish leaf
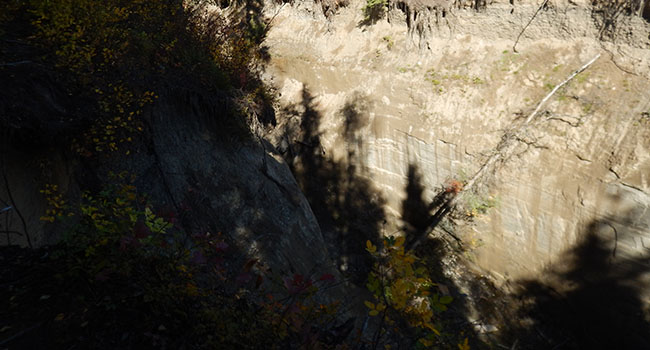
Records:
x=326, y=277
x=249, y=264
x=221, y=247
x=297, y=285
x=141, y=230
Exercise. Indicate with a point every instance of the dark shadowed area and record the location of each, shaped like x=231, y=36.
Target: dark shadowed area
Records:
x=348, y=208
x=590, y=298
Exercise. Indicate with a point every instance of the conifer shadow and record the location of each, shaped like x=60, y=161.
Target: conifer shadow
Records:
x=417, y=217
x=348, y=208
x=592, y=297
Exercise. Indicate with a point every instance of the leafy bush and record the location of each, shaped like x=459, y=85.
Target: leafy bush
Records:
x=126, y=277
x=117, y=56
x=403, y=291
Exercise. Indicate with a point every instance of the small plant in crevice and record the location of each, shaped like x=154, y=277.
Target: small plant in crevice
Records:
x=473, y=203
x=476, y=204
x=389, y=41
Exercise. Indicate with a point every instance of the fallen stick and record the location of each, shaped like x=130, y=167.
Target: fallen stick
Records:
x=504, y=147
x=559, y=86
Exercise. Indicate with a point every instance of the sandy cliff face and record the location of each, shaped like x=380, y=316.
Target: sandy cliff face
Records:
x=435, y=94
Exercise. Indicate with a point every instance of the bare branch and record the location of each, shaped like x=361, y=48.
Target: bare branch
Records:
x=12, y=64
x=550, y=94
x=565, y=119
x=514, y=47
x=502, y=151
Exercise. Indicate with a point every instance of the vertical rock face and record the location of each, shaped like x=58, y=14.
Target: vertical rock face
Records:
x=239, y=188
x=214, y=181
x=439, y=92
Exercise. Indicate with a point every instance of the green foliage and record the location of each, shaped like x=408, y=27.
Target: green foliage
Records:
x=437, y=78
x=549, y=87
x=117, y=56
x=583, y=77
x=389, y=41
x=123, y=269
x=402, y=289
x=475, y=204
x=132, y=272
x=508, y=61
x=57, y=205
x=100, y=40
x=374, y=10
x=116, y=50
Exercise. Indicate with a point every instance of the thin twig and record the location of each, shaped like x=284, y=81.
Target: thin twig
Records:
x=13, y=204
x=514, y=345
x=621, y=68
x=504, y=144
x=275, y=15
x=12, y=64
x=20, y=334
x=514, y=47
x=503, y=149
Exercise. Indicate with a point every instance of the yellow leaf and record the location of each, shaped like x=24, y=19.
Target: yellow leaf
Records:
x=430, y=326
x=369, y=305
x=373, y=313
x=191, y=289
x=369, y=247
x=381, y=307
x=399, y=241
x=464, y=345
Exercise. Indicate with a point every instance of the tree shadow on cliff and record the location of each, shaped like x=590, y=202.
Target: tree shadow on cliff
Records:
x=417, y=217
x=591, y=298
x=348, y=208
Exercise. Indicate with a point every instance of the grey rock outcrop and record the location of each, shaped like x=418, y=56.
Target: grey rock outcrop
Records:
x=215, y=181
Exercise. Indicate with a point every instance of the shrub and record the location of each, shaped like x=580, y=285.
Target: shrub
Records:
x=403, y=290
x=126, y=277
x=117, y=56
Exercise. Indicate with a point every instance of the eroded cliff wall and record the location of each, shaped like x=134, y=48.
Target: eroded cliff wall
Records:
x=419, y=93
